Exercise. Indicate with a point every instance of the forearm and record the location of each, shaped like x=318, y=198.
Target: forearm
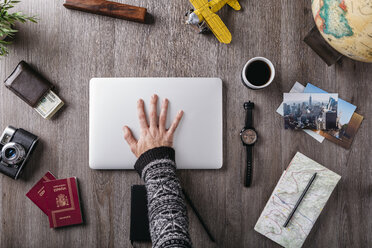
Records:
x=166, y=206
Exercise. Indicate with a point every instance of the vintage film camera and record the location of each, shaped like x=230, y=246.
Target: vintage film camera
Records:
x=16, y=146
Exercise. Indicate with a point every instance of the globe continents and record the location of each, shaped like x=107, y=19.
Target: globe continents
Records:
x=346, y=25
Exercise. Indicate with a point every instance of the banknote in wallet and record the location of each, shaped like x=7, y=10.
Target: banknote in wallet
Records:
x=49, y=104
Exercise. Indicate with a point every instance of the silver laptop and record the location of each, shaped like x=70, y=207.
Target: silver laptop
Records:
x=113, y=104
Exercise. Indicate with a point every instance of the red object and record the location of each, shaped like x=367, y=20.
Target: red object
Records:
x=37, y=193
x=62, y=199
x=343, y=5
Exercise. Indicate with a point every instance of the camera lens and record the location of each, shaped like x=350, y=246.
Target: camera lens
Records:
x=13, y=153
x=10, y=153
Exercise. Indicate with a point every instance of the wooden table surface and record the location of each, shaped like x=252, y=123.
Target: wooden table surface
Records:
x=70, y=47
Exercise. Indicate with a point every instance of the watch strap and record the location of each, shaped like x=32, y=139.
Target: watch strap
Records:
x=248, y=115
x=248, y=171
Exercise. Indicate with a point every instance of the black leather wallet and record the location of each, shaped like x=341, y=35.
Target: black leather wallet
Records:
x=139, y=220
x=28, y=84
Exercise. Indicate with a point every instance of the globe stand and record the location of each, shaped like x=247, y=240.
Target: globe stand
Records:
x=316, y=42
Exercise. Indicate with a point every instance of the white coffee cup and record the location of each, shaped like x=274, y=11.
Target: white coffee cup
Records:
x=257, y=87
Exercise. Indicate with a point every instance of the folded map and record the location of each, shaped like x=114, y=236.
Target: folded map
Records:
x=285, y=195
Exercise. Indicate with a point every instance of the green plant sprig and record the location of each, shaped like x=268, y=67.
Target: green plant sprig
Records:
x=8, y=21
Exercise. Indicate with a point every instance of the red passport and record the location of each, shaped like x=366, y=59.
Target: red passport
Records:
x=62, y=200
x=37, y=193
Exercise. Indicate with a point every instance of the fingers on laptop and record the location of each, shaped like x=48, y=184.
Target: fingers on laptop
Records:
x=128, y=136
x=175, y=123
x=153, y=113
x=141, y=114
x=163, y=115
x=154, y=116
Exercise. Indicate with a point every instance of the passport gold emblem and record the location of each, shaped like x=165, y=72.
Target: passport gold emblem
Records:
x=62, y=200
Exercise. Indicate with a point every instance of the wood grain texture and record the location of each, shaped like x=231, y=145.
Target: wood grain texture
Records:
x=70, y=47
x=108, y=8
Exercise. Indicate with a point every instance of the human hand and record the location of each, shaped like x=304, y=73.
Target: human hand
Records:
x=155, y=134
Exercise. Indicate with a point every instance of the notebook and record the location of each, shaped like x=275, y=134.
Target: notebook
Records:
x=139, y=221
x=285, y=195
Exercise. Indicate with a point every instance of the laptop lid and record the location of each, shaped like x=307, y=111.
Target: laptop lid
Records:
x=113, y=104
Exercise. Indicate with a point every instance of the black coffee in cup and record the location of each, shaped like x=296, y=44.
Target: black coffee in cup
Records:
x=258, y=73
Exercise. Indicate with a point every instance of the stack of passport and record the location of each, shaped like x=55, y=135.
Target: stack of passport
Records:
x=58, y=199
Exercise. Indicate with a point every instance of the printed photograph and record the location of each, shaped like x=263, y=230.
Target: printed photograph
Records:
x=317, y=111
x=345, y=138
x=345, y=112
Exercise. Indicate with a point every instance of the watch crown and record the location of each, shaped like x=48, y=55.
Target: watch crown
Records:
x=248, y=105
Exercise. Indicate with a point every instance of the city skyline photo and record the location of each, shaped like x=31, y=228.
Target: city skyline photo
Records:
x=316, y=111
x=345, y=110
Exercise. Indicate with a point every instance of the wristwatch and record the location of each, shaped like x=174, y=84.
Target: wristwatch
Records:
x=248, y=136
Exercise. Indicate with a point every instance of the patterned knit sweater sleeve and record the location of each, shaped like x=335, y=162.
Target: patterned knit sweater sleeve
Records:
x=166, y=206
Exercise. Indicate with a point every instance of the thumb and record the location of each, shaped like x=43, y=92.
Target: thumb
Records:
x=128, y=136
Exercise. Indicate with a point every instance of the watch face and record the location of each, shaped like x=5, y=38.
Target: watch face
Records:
x=248, y=136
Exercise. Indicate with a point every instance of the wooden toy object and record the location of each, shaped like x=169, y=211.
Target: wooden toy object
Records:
x=107, y=8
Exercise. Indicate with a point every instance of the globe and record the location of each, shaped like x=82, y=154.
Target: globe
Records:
x=346, y=25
